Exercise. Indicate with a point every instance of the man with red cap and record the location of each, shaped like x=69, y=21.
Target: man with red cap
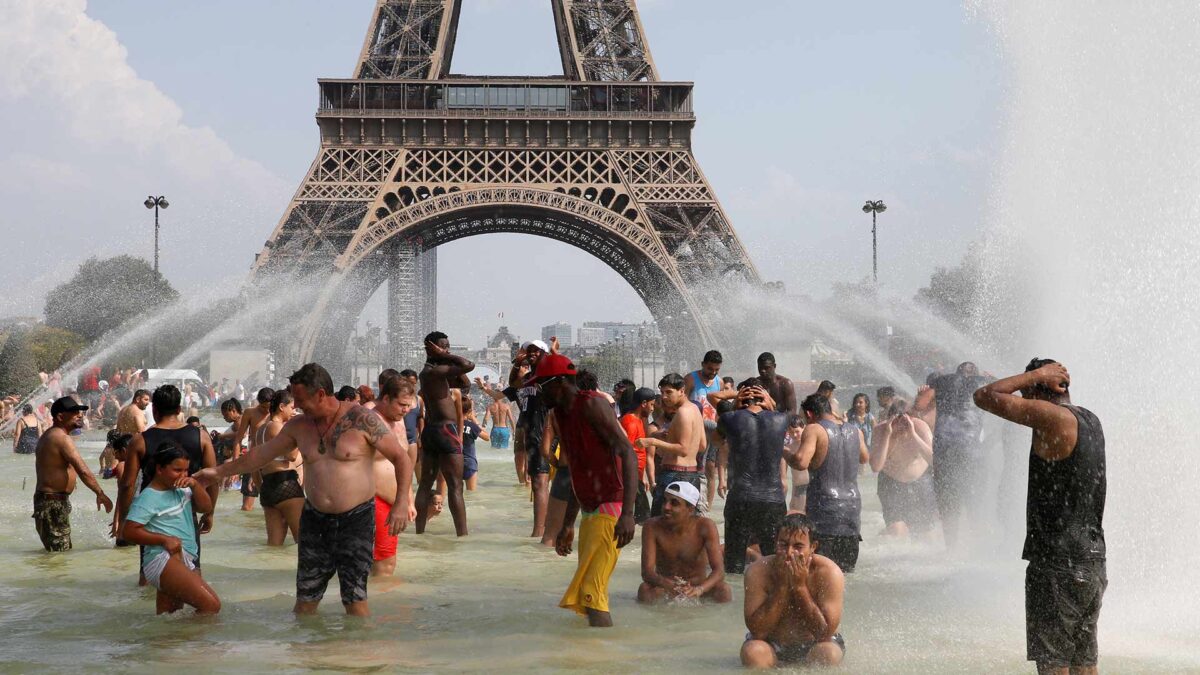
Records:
x=603, y=483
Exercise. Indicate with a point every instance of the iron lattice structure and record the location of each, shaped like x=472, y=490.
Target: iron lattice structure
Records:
x=412, y=157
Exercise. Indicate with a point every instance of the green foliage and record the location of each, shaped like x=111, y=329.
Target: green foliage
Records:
x=954, y=292
x=18, y=367
x=103, y=294
x=53, y=347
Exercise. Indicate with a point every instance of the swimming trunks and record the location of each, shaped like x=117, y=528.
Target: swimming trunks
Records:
x=441, y=439
x=560, y=485
x=335, y=542
x=385, y=544
x=669, y=473
x=279, y=487
x=798, y=652
x=749, y=522
x=912, y=503
x=500, y=437
x=248, y=489
x=52, y=518
x=598, y=555
x=1062, y=608
x=153, y=568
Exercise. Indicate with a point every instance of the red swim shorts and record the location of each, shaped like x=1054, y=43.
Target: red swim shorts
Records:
x=385, y=544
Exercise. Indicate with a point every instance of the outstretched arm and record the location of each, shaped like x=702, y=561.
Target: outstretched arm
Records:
x=88, y=478
x=255, y=458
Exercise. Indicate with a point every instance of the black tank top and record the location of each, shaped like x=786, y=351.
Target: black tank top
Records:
x=834, y=505
x=188, y=437
x=1064, y=511
x=755, y=450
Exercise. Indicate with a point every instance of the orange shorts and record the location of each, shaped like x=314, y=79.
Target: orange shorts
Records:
x=385, y=544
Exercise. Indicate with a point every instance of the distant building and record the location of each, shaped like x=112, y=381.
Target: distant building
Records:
x=499, y=351
x=613, y=330
x=560, y=330
x=591, y=337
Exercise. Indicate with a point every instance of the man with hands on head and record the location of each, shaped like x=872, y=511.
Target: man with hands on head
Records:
x=603, y=480
x=338, y=441
x=441, y=437
x=793, y=603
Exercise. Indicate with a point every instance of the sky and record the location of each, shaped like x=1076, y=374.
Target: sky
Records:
x=805, y=110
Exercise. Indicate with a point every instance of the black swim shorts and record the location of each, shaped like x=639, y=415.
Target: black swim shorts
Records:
x=1062, y=607
x=797, y=653
x=279, y=487
x=335, y=542
x=560, y=486
x=912, y=503
x=441, y=439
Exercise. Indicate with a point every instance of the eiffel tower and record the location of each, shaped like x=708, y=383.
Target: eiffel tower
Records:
x=412, y=157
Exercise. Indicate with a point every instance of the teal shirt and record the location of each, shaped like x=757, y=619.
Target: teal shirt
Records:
x=166, y=512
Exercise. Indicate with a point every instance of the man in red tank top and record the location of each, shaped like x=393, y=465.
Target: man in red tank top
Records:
x=603, y=480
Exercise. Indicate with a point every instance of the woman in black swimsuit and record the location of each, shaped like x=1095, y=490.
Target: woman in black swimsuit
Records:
x=281, y=493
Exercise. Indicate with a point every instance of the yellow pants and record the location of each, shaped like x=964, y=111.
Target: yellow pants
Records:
x=598, y=554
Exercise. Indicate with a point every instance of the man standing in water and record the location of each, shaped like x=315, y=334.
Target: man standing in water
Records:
x=1064, y=536
x=603, y=481
x=794, y=603
x=132, y=418
x=441, y=439
x=679, y=548
x=397, y=397
x=500, y=415
x=250, y=421
x=832, y=452
x=680, y=445
x=698, y=385
x=901, y=452
x=338, y=441
x=781, y=389
x=58, y=464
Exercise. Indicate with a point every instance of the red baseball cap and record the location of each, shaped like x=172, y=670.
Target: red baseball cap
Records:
x=551, y=366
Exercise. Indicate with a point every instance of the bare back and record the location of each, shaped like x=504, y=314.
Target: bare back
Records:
x=501, y=414
x=252, y=420
x=131, y=420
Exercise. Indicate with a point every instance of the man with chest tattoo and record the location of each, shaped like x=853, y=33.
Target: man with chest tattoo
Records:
x=441, y=438
x=338, y=441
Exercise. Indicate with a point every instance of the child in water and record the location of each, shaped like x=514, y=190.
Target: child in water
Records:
x=162, y=519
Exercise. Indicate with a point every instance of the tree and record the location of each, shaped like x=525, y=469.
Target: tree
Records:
x=953, y=293
x=18, y=369
x=52, y=347
x=103, y=294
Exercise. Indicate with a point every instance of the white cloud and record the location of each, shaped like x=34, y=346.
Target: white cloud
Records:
x=92, y=139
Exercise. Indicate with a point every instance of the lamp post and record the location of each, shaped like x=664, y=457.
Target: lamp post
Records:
x=874, y=208
x=153, y=202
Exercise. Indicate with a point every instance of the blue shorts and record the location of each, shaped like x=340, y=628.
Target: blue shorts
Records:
x=500, y=437
x=470, y=462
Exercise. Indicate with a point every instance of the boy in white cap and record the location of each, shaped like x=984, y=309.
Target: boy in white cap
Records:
x=681, y=551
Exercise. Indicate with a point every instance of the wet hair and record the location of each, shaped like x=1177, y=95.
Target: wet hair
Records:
x=120, y=442
x=826, y=385
x=435, y=336
x=728, y=379
x=166, y=400
x=26, y=409
x=314, y=378
x=586, y=380
x=1042, y=389
x=623, y=383
x=193, y=420
x=898, y=407
x=795, y=420
x=749, y=382
x=168, y=451
x=885, y=391
x=726, y=406
x=408, y=372
x=365, y=393
x=863, y=397
x=671, y=381
x=766, y=357
x=385, y=375
x=467, y=404
x=712, y=356
x=816, y=404
x=265, y=394
x=347, y=393
x=796, y=522
x=967, y=368
x=231, y=404
x=140, y=392
x=395, y=387
x=280, y=399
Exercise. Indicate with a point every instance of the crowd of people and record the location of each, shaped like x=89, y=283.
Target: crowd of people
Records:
x=344, y=471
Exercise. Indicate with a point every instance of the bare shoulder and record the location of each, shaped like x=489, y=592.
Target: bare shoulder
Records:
x=708, y=527
x=757, y=573
x=367, y=421
x=826, y=575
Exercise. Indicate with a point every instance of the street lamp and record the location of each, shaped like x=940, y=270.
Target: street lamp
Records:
x=153, y=202
x=874, y=208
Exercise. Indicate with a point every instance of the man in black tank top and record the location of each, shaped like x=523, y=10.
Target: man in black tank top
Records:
x=1064, y=520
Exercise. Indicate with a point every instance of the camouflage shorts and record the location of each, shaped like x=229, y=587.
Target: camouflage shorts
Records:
x=52, y=517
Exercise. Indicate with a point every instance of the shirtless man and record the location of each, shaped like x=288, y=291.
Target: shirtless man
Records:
x=338, y=441
x=500, y=414
x=58, y=464
x=249, y=422
x=678, y=550
x=132, y=418
x=680, y=445
x=397, y=396
x=793, y=603
x=781, y=389
x=441, y=439
x=901, y=453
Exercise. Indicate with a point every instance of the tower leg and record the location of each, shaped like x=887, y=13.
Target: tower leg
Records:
x=412, y=303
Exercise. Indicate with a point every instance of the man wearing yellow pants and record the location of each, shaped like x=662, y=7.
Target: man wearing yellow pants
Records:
x=603, y=483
